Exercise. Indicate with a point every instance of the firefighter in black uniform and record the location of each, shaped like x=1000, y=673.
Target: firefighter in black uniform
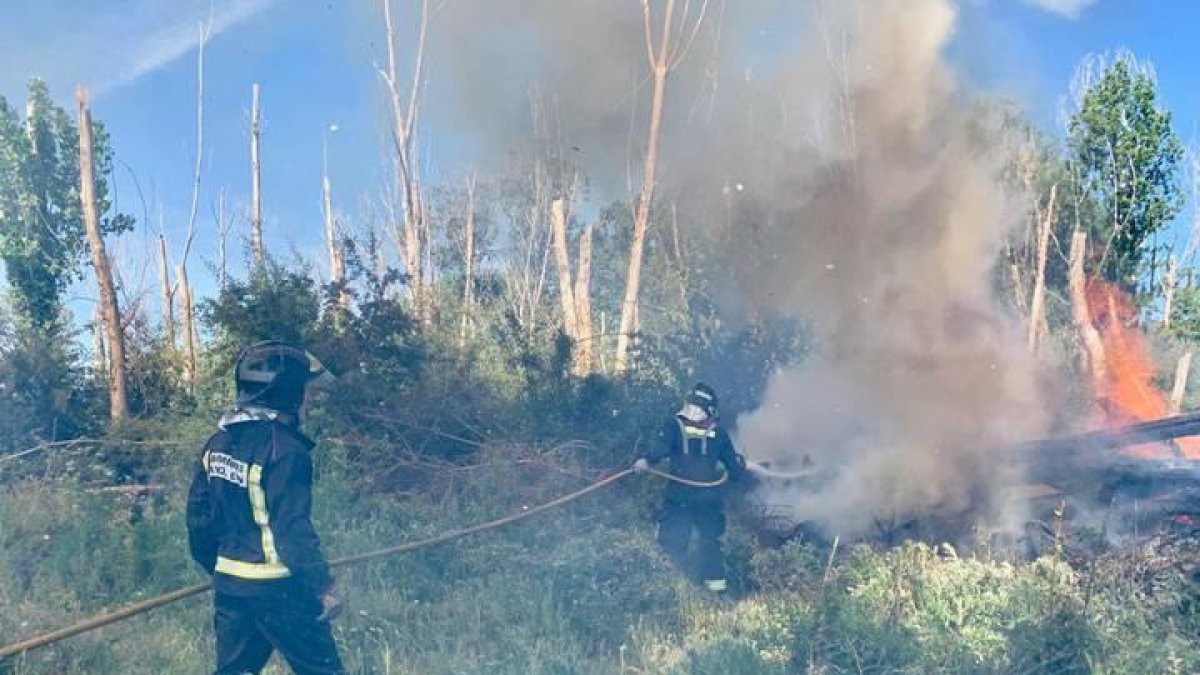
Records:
x=697, y=449
x=249, y=523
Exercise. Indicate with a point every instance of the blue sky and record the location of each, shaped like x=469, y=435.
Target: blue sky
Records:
x=315, y=62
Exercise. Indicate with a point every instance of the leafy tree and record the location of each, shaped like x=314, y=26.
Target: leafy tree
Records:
x=1126, y=158
x=274, y=303
x=42, y=238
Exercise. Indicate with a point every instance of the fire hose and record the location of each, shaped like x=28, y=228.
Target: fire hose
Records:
x=129, y=611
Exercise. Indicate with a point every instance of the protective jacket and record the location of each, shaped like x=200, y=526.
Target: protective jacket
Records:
x=249, y=509
x=697, y=451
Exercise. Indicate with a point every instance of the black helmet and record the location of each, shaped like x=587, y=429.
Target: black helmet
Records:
x=703, y=397
x=274, y=374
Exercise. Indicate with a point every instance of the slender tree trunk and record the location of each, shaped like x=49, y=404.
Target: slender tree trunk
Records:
x=404, y=120
x=118, y=405
x=222, y=244
x=585, y=362
x=257, y=251
x=1168, y=292
x=602, y=338
x=468, y=297
x=562, y=263
x=1093, y=346
x=1014, y=272
x=168, y=301
x=1182, y=370
x=660, y=64
x=101, y=356
x=1037, y=304
x=337, y=264
x=188, y=325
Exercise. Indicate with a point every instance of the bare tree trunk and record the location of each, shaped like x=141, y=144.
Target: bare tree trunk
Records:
x=222, y=244
x=468, y=298
x=168, y=300
x=585, y=362
x=662, y=60
x=118, y=405
x=1168, y=292
x=562, y=260
x=337, y=261
x=1093, y=346
x=641, y=220
x=1182, y=370
x=1037, y=304
x=1014, y=271
x=101, y=356
x=188, y=325
x=601, y=341
x=257, y=252
x=404, y=120
x=681, y=272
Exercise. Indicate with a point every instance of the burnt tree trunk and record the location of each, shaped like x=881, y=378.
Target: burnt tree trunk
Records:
x=109, y=306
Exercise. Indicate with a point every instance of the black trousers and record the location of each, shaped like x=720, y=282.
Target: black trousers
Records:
x=707, y=518
x=250, y=629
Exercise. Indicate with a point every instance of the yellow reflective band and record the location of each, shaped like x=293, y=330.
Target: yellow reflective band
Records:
x=258, y=505
x=204, y=462
x=715, y=584
x=253, y=571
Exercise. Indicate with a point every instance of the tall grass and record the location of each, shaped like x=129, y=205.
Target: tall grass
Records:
x=583, y=590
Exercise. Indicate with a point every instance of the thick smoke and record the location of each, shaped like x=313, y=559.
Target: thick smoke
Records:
x=883, y=229
x=836, y=174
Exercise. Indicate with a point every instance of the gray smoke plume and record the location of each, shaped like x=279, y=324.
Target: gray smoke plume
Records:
x=882, y=227
x=833, y=172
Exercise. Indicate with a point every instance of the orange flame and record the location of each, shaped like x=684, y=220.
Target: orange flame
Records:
x=1127, y=392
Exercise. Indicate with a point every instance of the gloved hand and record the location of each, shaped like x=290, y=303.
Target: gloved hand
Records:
x=331, y=605
x=642, y=464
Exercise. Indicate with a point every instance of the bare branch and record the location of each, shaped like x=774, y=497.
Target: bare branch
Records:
x=682, y=49
x=205, y=32
x=648, y=32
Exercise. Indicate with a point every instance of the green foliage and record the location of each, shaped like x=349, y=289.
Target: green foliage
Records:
x=42, y=239
x=274, y=303
x=43, y=396
x=1126, y=158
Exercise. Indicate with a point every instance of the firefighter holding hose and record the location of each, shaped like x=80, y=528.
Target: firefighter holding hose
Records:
x=698, y=449
x=249, y=521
